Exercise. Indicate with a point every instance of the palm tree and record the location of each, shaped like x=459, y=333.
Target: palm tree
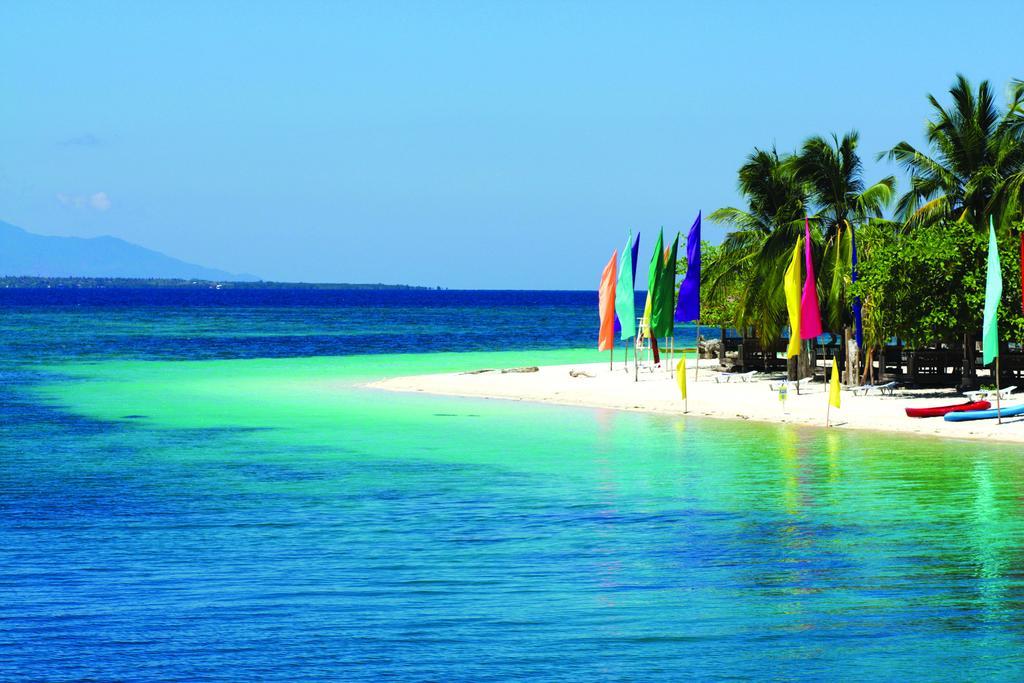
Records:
x=833, y=173
x=972, y=169
x=1008, y=201
x=974, y=150
x=756, y=251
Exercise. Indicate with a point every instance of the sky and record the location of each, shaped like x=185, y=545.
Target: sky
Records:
x=476, y=144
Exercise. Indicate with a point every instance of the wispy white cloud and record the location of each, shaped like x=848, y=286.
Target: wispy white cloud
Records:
x=83, y=140
x=71, y=200
x=99, y=201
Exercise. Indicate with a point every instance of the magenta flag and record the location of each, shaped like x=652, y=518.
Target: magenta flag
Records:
x=810, y=315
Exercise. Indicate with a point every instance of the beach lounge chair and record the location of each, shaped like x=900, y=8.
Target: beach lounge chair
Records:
x=1005, y=393
x=865, y=389
x=728, y=376
x=988, y=393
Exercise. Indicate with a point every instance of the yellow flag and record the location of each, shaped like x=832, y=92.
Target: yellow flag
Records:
x=833, y=386
x=791, y=285
x=645, y=326
x=681, y=376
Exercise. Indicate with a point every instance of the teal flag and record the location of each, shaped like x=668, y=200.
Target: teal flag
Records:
x=993, y=292
x=625, y=298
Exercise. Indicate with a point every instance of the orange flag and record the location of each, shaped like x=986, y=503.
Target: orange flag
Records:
x=606, y=306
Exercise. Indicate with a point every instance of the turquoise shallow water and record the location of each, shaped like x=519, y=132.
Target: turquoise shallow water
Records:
x=271, y=519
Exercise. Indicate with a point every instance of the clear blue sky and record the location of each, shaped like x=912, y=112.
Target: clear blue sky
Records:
x=476, y=144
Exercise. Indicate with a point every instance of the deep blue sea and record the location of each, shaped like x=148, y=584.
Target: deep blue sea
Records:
x=62, y=324
x=198, y=485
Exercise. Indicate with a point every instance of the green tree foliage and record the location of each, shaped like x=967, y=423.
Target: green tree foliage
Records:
x=824, y=181
x=972, y=169
x=1009, y=196
x=754, y=254
x=925, y=286
x=922, y=275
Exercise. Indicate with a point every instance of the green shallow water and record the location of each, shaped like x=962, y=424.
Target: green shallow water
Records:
x=272, y=518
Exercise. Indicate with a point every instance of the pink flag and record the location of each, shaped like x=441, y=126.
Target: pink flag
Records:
x=810, y=316
x=606, y=307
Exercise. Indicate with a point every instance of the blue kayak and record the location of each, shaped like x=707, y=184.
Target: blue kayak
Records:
x=1008, y=411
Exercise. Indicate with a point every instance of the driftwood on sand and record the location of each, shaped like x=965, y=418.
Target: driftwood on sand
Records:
x=532, y=368
x=579, y=373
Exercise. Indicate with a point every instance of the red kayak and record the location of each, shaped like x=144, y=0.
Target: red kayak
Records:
x=939, y=411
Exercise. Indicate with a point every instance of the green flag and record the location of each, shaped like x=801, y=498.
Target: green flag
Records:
x=664, y=317
x=653, y=274
x=625, y=299
x=993, y=292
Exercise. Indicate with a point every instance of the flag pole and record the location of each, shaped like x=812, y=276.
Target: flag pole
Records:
x=824, y=368
x=999, y=403
x=696, y=365
x=672, y=355
x=636, y=366
x=828, y=408
x=797, y=365
x=611, y=358
x=646, y=355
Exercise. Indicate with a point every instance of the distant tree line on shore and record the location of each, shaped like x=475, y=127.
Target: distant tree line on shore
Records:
x=28, y=282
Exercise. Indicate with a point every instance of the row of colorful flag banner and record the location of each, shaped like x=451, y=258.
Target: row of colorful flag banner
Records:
x=662, y=309
x=616, y=300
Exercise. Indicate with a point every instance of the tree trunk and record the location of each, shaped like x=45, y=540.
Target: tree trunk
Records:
x=849, y=369
x=969, y=380
x=721, y=348
x=805, y=361
x=865, y=378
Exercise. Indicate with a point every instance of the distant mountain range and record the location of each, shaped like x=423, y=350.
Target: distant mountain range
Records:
x=23, y=253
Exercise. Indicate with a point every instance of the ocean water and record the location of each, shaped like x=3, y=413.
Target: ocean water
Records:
x=198, y=486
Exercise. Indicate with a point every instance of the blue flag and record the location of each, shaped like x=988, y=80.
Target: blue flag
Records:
x=636, y=252
x=688, y=306
x=858, y=320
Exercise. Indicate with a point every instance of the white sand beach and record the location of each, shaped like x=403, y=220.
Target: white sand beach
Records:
x=755, y=400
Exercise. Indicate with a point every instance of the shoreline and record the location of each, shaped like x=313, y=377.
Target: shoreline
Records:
x=657, y=392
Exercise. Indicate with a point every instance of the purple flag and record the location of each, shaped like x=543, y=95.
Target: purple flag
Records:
x=688, y=306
